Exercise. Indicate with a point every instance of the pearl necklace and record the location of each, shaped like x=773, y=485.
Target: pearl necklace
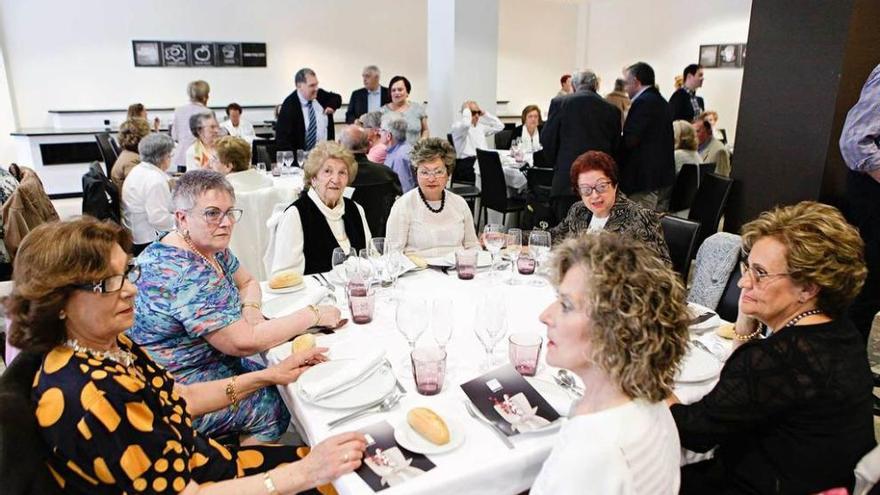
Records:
x=118, y=355
x=801, y=316
x=428, y=206
x=213, y=264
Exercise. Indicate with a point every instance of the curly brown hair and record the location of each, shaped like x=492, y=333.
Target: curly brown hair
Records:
x=639, y=331
x=234, y=151
x=429, y=149
x=821, y=248
x=131, y=132
x=52, y=258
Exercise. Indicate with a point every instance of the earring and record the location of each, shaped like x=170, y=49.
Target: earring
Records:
x=62, y=315
x=186, y=234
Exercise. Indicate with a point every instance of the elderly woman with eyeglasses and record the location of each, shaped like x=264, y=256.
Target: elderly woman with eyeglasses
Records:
x=198, y=311
x=114, y=420
x=429, y=220
x=206, y=130
x=146, y=198
x=792, y=410
x=604, y=208
x=303, y=237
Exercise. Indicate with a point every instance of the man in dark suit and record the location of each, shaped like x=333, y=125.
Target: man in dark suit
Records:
x=684, y=103
x=375, y=185
x=369, y=98
x=647, y=163
x=302, y=121
x=331, y=102
x=581, y=122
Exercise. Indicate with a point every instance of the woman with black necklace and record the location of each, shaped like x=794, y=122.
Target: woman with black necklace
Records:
x=430, y=221
x=792, y=410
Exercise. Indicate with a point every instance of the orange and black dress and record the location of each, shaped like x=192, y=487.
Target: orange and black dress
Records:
x=112, y=429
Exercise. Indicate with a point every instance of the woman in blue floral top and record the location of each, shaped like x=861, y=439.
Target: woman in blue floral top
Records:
x=198, y=311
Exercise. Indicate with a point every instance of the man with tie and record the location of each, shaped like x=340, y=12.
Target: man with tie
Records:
x=369, y=98
x=302, y=122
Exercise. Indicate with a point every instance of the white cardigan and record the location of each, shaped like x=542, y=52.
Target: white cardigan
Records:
x=286, y=236
x=424, y=233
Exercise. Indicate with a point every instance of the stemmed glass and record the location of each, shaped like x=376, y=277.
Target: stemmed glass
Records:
x=494, y=238
x=514, y=246
x=411, y=322
x=441, y=321
x=490, y=324
x=339, y=257
x=301, y=158
x=539, y=247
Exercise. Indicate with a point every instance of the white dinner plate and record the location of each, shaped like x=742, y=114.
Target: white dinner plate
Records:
x=282, y=305
x=695, y=310
x=552, y=393
x=286, y=290
x=698, y=366
x=484, y=259
x=370, y=391
x=411, y=440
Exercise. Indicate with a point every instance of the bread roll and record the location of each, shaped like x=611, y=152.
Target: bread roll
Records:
x=284, y=279
x=429, y=425
x=726, y=330
x=418, y=261
x=303, y=343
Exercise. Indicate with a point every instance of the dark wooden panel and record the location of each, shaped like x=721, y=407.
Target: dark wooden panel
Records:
x=67, y=153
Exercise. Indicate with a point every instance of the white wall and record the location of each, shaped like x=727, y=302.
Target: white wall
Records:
x=667, y=35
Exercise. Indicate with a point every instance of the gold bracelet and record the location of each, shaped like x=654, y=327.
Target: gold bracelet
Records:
x=255, y=305
x=317, y=314
x=745, y=338
x=231, y=395
x=270, y=485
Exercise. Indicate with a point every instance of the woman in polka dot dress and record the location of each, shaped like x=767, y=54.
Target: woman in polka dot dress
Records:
x=113, y=419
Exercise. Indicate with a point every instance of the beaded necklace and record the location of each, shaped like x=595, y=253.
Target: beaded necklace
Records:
x=212, y=263
x=428, y=206
x=118, y=355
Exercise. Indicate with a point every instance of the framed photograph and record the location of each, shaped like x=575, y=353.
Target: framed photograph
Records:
x=175, y=54
x=228, y=54
x=709, y=56
x=146, y=54
x=742, y=55
x=728, y=55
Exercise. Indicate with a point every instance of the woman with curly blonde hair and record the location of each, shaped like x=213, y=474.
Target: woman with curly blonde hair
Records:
x=620, y=323
x=792, y=411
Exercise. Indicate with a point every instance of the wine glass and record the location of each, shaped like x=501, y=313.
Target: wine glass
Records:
x=441, y=321
x=377, y=246
x=490, y=324
x=514, y=247
x=300, y=158
x=366, y=267
x=539, y=247
x=339, y=257
x=494, y=238
x=261, y=166
x=411, y=321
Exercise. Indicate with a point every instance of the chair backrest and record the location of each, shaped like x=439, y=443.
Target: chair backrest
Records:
x=376, y=200
x=503, y=139
x=716, y=259
x=681, y=237
x=250, y=238
x=706, y=168
x=685, y=188
x=464, y=171
x=23, y=453
x=106, y=149
x=451, y=141
x=728, y=306
x=263, y=150
x=493, y=187
x=539, y=159
x=115, y=144
x=709, y=203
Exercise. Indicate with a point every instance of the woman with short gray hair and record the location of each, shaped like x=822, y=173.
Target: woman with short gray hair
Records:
x=198, y=310
x=206, y=130
x=372, y=122
x=198, y=92
x=146, y=196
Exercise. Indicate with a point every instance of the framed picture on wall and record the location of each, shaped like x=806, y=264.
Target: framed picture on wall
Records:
x=175, y=54
x=728, y=55
x=742, y=55
x=709, y=55
x=146, y=54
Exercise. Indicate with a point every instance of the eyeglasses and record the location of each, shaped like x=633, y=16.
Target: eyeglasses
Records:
x=600, y=188
x=114, y=283
x=756, y=276
x=214, y=216
x=429, y=174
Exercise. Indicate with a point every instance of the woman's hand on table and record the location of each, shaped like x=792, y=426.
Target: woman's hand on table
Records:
x=328, y=316
x=335, y=456
x=296, y=364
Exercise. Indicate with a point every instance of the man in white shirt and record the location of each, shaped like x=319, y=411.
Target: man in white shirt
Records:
x=470, y=131
x=237, y=126
x=302, y=122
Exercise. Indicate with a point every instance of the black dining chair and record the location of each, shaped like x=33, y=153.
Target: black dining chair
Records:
x=464, y=180
x=376, y=200
x=681, y=237
x=685, y=188
x=493, y=193
x=728, y=306
x=263, y=150
x=706, y=168
x=503, y=139
x=105, y=147
x=709, y=203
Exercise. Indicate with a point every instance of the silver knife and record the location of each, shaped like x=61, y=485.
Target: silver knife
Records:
x=492, y=426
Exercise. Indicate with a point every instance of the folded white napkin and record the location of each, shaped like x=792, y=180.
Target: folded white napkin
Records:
x=316, y=296
x=354, y=372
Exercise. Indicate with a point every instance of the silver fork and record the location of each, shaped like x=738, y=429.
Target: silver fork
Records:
x=327, y=285
x=400, y=387
x=492, y=426
x=701, y=346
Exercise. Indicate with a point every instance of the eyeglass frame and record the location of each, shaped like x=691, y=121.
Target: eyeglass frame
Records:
x=432, y=174
x=100, y=287
x=223, y=214
x=758, y=278
x=587, y=190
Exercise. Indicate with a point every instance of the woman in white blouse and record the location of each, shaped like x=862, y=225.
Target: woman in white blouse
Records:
x=430, y=221
x=304, y=235
x=528, y=132
x=146, y=195
x=620, y=437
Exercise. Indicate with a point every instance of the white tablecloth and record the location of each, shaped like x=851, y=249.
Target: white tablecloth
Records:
x=482, y=464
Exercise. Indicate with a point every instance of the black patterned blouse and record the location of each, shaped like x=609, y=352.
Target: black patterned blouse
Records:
x=626, y=218
x=112, y=429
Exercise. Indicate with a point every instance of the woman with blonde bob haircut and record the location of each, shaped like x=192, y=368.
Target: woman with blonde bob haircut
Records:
x=792, y=410
x=304, y=236
x=620, y=323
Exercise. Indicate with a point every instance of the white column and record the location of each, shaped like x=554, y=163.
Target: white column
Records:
x=581, y=60
x=462, y=58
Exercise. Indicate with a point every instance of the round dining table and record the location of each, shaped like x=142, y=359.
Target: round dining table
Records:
x=482, y=463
